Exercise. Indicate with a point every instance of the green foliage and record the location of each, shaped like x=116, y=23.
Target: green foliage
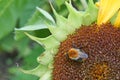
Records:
x=15, y=13
x=29, y=62
x=7, y=18
x=37, y=22
x=18, y=75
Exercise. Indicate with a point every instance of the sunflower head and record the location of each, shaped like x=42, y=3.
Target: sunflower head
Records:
x=84, y=46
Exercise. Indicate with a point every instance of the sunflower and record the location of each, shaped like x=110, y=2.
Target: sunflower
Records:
x=84, y=46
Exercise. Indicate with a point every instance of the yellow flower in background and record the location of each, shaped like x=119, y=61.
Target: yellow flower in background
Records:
x=84, y=46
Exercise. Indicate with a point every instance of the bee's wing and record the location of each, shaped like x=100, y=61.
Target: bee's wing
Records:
x=83, y=54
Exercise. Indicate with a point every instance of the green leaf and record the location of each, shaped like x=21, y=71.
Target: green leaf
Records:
x=20, y=32
x=18, y=75
x=37, y=22
x=31, y=28
x=7, y=18
x=15, y=13
x=49, y=42
x=38, y=18
x=7, y=45
x=39, y=71
x=11, y=45
x=25, y=9
x=30, y=61
x=23, y=47
x=46, y=14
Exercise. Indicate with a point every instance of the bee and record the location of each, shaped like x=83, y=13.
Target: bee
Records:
x=76, y=54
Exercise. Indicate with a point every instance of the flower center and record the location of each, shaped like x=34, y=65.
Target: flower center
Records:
x=100, y=71
x=102, y=47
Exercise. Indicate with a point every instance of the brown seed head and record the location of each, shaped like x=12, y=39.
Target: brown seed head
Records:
x=103, y=47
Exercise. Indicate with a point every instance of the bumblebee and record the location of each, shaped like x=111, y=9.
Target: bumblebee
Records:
x=77, y=54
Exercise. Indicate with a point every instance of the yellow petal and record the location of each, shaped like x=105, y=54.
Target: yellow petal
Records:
x=107, y=9
x=117, y=21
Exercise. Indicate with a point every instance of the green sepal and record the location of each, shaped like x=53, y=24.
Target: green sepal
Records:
x=88, y=21
x=74, y=17
x=58, y=33
x=49, y=42
x=90, y=14
x=39, y=71
x=47, y=75
x=54, y=51
x=63, y=23
x=45, y=58
x=50, y=65
x=61, y=29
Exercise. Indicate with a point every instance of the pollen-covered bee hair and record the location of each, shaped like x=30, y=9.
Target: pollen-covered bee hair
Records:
x=76, y=54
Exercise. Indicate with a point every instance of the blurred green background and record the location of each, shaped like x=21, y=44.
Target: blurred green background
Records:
x=20, y=51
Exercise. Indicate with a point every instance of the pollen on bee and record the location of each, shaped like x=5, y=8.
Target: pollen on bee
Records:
x=73, y=53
